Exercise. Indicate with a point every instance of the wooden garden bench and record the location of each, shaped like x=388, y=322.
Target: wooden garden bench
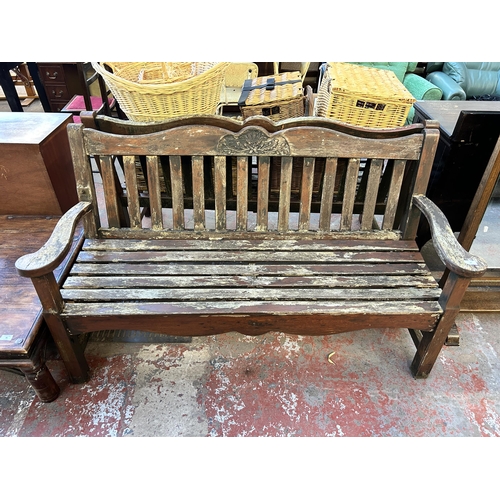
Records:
x=327, y=258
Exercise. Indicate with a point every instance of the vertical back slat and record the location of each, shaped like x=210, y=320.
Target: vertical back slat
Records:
x=109, y=188
x=306, y=194
x=393, y=196
x=431, y=137
x=220, y=192
x=198, y=194
x=241, y=193
x=349, y=194
x=372, y=185
x=134, y=209
x=327, y=194
x=84, y=179
x=285, y=192
x=177, y=193
x=263, y=193
x=154, y=192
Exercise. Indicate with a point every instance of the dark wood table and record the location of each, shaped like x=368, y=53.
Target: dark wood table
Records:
x=23, y=333
x=465, y=173
x=469, y=131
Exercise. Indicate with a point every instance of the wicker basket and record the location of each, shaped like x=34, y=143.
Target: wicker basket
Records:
x=151, y=92
x=278, y=101
x=363, y=96
x=157, y=72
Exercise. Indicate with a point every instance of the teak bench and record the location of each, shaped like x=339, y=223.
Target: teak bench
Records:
x=333, y=257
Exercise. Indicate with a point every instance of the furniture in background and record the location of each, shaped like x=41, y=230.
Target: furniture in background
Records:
x=311, y=76
x=283, y=67
x=362, y=96
x=234, y=79
x=22, y=78
x=279, y=96
x=465, y=80
x=468, y=133
x=465, y=171
x=419, y=87
x=9, y=88
x=149, y=92
x=95, y=95
x=61, y=81
x=36, y=170
x=37, y=185
x=24, y=336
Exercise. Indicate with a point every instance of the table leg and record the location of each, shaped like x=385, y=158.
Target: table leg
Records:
x=42, y=382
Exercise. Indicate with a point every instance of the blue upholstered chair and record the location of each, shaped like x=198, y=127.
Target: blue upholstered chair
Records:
x=463, y=80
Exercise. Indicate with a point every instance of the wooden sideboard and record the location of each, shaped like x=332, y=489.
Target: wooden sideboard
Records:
x=36, y=169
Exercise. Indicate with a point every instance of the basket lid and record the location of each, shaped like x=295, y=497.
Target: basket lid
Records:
x=270, y=89
x=367, y=82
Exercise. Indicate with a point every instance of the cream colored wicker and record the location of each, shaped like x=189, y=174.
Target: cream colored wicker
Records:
x=236, y=75
x=301, y=67
x=283, y=101
x=149, y=92
x=359, y=95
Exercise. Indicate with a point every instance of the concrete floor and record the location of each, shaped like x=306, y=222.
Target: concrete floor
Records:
x=273, y=385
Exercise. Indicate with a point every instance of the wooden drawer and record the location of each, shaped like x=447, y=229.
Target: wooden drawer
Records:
x=55, y=92
x=51, y=73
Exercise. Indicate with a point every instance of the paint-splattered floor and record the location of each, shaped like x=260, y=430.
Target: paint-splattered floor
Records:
x=273, y=385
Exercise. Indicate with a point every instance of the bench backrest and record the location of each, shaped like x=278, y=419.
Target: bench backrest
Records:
x=222, y=176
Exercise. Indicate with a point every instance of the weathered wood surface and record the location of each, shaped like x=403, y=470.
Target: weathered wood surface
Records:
x=321, y=246
x=316, y=144
x=54, y=251
x=446, y=245
x=213, y=278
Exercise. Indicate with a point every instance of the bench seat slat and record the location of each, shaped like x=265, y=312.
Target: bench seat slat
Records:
x=123, y=269
x=273, y=308
x=228, y=256
x=368, y=282
x=245, y=294
x=251, y=245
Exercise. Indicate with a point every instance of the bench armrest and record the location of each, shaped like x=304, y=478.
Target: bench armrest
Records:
x=449, y=250
x=55, y=250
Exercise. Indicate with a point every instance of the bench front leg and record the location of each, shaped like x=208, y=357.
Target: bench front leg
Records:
x=40, y=266
x=69, y=347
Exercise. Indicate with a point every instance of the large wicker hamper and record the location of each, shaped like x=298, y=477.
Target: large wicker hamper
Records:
x=363, y=96
x=149, y=92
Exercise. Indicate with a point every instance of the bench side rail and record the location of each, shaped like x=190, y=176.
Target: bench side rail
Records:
x=216, y=176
